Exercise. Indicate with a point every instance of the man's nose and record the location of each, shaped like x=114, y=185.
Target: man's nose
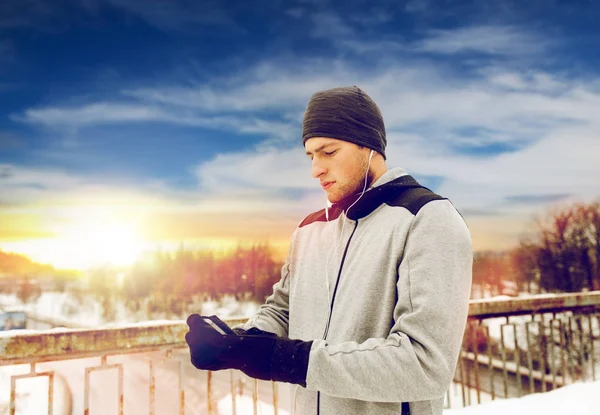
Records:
x=317, y=169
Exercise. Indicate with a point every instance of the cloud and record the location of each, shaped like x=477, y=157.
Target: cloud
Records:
x=351, y=32
x=503, y=104
x=497, y=137
x=96, y=113
x=23, y=188
x=52, y=187
x=295, y=12
x=329, y=25
x=542, y=125
x=417, y=6
x=536, y=199
x=275, y=169
x=177, y=15
x=51, y=203
x=362, y=47
x=534, y=81
x=20, y=186
x=274, y=84
x=283, y=87
x=512, y=10
x=116, y=113
x=535, y=121
x=491, y=40
x=374, y=17
x=538, y=171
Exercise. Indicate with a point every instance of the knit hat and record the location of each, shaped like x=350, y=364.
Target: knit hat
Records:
x=345, y=113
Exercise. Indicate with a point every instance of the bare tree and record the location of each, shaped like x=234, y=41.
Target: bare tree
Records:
x=28, y=291
x=524, y=266
x=562, y=254
x=563, y=249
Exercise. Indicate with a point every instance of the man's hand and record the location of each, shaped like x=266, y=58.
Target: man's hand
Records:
x=261, y=355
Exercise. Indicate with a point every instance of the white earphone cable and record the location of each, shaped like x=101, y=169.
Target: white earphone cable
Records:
x=331, y=248
x=343, y=223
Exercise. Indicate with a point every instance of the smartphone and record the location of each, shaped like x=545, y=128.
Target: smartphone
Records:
x=218, y=324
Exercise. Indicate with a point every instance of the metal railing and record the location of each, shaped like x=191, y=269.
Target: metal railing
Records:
x=511, y=347
x=517, y=346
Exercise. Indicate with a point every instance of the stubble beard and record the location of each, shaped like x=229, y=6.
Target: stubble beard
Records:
x=356, y=184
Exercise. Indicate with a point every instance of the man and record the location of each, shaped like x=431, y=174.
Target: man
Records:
x=369, y=314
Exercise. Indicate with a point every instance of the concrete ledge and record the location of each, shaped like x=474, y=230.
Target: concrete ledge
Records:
x=547, y=303
x=25, y=346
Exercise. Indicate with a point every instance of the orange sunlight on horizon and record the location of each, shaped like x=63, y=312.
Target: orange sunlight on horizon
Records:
x=83, y=236
x=83, y=247
x=119, y=244
x=116, y=247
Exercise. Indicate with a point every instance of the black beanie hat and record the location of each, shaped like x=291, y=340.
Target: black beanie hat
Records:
x=345, y=113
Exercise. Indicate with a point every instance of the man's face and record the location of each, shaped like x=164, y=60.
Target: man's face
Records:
x=339, y=165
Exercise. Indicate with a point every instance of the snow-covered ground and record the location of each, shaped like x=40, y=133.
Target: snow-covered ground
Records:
x=245, y=405
x=576, y=399
x=87, y=311
x=32, y=393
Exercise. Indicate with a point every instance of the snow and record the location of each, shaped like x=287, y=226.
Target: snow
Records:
x=496, y=328
x=32, y=393
x=453, y=398
x=581, y=398
x=245, y=405
x=576, y=399
x=67, y=310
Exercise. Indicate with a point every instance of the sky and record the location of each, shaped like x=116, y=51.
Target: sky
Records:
x=128, y=125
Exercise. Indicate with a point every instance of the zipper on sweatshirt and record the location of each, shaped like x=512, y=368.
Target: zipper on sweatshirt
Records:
x=333, y=301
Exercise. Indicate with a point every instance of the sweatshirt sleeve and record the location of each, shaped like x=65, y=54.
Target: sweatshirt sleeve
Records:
x=273, y=315
x=418, y=358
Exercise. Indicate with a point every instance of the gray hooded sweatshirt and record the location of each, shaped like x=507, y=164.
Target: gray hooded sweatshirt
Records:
x=382, y=289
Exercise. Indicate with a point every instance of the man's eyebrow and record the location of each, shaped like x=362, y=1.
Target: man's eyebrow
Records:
x=308, y=153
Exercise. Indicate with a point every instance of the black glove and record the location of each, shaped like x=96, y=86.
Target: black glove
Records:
x=260, y=355
x=252, y=330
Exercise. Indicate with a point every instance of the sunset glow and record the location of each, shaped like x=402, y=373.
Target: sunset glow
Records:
x=94, y=244
x=118, y=246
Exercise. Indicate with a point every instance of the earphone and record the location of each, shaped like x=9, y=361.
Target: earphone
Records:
x=343, y=223
x=327, y=206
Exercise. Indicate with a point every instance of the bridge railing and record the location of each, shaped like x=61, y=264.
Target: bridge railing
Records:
x=517, y=346
x=511, y=347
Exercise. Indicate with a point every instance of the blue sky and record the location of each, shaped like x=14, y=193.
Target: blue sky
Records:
x=188, y=113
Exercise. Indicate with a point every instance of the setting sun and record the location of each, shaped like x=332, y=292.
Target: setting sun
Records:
x=90, y=237
x=112, y=246
x=112, y=243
